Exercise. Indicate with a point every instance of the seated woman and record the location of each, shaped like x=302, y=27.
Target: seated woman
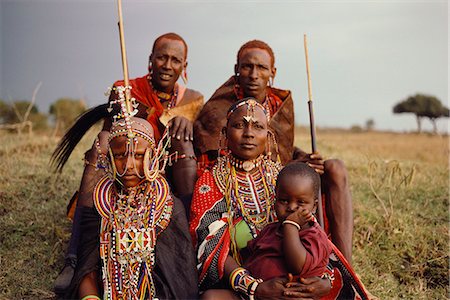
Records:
x=232, y=203
x=136, y=238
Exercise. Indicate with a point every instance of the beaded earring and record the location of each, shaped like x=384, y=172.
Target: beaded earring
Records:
x=113, y=165
x=222, y=142
x=184, y=76
x=272, y=142
x=151, y=170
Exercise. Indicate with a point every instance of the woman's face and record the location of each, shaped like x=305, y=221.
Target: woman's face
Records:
x=246, y=132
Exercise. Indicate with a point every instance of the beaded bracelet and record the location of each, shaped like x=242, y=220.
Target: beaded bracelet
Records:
x=241, y=281
x=292, y=223
x=91, y=297
x=328, y=274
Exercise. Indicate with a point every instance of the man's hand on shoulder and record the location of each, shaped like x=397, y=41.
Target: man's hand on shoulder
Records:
x=181, y=128
x=314, y=160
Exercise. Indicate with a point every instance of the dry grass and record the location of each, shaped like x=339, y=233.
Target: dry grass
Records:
x=401, y=234
x=400, y=194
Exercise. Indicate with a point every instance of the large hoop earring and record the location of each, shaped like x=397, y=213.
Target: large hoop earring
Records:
x=149, y=169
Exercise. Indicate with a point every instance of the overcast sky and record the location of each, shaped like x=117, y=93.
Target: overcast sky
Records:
x=365, y=56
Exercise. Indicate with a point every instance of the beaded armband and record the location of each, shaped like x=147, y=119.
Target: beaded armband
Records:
x=102, y=160
x=175, y=157
x=242, y=282
x=328, y=274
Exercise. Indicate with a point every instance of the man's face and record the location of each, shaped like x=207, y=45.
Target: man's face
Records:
x=247, y=140
x=168, y=60
x=255, y=69
x=132, y=163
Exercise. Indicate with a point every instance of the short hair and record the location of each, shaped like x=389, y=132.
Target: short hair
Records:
x=297, y=168
x=174, y=37
x=256, y=44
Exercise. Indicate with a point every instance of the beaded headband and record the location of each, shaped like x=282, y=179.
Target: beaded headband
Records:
x=124, y=128
x=251, y=104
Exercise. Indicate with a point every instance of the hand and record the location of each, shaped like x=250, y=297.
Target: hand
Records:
x=272, y=289
x=307, y=288
x=314, y=160
x=300, y=216
x=181, y=128
x=103, y=142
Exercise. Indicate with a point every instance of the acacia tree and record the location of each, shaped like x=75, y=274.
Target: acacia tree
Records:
x=65, y=111
x=423, y=106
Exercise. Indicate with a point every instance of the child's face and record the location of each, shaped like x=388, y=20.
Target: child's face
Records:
x=130, y=166
x=294, y=193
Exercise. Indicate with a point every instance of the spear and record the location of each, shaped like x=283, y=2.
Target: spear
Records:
x=312, y=127
x=124, y=58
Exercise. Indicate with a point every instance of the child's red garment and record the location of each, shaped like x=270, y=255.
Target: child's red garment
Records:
x=266, y=258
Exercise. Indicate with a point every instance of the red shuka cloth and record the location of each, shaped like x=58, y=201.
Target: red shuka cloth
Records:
x=266, y=257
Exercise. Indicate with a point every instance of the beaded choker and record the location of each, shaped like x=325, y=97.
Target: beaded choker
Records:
x=246, y=165
x=163, y=96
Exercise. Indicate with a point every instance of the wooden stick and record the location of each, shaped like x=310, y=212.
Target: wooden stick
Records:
x=124, y=57
x=312, y=126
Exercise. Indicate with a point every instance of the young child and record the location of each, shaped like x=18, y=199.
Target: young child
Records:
x=296, y=243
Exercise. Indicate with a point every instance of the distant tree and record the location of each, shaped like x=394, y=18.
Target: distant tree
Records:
x=370, y=124
x=4, y=108
x=65, y=111
x=21, y=111
x=356, y=129
x=423, y=106
x=17, y=110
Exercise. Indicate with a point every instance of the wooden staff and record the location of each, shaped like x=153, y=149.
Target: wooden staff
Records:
x=124, y=58
x=312, y=126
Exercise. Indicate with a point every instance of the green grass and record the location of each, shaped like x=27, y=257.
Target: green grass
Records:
x=400, y=251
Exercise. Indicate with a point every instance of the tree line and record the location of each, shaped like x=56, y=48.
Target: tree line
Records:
x=64, y=111
x=61, y=115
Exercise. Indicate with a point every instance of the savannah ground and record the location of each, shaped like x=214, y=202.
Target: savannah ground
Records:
x=400, y=197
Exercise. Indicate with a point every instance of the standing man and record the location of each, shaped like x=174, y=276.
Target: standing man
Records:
x=162, y=101
x=254, y=74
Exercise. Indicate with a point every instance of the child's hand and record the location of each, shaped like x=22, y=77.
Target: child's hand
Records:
x=301, y=216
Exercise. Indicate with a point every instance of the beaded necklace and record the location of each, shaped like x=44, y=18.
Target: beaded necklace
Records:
x=131, y=222
x=163, y=96
x=249, y=194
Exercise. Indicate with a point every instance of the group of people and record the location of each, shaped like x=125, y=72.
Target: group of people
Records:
x=180, y=200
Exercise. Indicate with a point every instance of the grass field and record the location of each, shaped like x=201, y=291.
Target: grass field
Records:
x=400, y=193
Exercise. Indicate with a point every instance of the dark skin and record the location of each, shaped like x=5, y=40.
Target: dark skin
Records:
x=253, y=71
x=167, y=62
x=134, y=164
x=296, y=202
x=247, y=140
x=255, y=68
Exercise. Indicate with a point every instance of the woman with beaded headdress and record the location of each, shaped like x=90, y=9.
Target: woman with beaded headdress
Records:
x=233, y=202
x=160, y=100
x=142, y=226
